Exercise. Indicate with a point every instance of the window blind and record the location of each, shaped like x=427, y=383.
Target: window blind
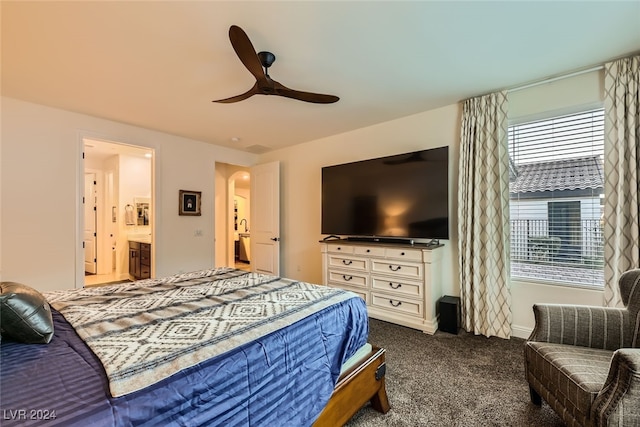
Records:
x=556, y=187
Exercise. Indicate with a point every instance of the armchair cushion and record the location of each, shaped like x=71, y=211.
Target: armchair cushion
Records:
x=573, y=374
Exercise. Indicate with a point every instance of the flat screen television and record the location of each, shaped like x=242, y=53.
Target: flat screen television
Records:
x=404, y=196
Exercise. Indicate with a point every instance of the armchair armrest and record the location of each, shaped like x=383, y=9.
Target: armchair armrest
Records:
x=618, y=403
x=595, y=327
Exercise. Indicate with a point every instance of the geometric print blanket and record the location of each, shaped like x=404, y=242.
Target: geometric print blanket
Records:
x=146, y=331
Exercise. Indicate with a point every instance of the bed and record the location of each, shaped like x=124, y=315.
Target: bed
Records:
x=213, y=347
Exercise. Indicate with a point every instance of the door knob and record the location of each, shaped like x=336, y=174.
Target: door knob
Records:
x=275, y=239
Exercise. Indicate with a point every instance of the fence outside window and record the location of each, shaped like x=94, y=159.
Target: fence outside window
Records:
x=537, y=255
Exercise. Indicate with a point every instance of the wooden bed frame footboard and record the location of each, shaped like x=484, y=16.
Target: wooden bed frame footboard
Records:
x=360, y=384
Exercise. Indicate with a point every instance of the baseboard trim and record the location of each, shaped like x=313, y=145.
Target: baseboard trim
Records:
x=521, y=331
x=427, y=326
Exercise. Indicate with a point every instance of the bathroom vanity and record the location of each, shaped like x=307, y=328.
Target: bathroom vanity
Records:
x=244, y=250
x=140, y=258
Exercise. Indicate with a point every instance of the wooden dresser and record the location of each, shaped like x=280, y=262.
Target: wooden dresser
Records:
x=400, y=283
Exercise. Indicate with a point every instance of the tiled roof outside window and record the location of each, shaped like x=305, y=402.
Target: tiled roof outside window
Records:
x=567, y=174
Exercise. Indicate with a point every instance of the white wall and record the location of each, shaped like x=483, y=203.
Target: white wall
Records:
x=301, y=183
x=300, y=187
x=243, y=198
x=40, y=179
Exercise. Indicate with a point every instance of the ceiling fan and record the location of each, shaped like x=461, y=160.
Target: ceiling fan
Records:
x=258, y=65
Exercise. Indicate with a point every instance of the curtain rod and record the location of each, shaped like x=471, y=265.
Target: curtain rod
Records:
x=553, y=79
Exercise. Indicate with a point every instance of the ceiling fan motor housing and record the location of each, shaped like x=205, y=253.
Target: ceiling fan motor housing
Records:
x=266, y=58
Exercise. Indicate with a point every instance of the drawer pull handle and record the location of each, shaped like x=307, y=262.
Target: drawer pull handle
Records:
x=395, y=267
x=397, y=285
x=347, y=262
x=339, y=248
x=347, y=277
x=368, y=250
x=402, y=253
x=396, y=303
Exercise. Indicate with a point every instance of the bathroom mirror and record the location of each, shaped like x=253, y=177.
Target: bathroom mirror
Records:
x=143, y=210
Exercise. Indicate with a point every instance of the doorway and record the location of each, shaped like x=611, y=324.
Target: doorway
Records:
x=121, y=178
x=241, y=215
x=239, y=185
x=259, y=186
x=233, y=220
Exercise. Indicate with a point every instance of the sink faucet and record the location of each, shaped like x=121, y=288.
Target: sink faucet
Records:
x=245, y=224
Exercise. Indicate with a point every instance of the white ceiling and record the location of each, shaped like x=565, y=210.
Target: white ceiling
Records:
x=98, y=150
x=158, y=65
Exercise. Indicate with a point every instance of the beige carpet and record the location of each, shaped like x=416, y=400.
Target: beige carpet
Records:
x=453, y=380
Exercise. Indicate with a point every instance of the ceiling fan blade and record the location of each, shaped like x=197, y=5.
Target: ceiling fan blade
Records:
x=254, y=90
x=246, y=52
x=316, y=98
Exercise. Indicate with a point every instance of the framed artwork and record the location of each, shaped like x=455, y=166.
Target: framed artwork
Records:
x=189, y=203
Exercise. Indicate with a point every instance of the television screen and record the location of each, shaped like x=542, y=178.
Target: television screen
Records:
x=401, y=196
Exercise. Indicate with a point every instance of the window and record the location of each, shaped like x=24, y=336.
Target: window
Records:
x=556, y=188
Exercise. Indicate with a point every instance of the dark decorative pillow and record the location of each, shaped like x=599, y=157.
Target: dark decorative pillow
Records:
x=25, y=314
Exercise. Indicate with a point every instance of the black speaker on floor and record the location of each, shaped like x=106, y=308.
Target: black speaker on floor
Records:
x=449, y=308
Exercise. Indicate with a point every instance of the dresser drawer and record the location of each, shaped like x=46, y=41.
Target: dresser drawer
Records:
x=398, y=269
x=369, y=250
x=341, y=278
x=400, y=305
x=365, y=295
x=395, y=287
x=342, y=249
x=347, y=262
x=404, y=254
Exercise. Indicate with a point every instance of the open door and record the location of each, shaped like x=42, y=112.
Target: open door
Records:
x=265, y=218
x=90, y=219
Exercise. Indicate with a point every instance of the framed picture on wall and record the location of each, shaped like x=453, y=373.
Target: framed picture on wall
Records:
x=189, y=203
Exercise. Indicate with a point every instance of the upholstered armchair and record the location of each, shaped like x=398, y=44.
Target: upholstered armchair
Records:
x=585, y=361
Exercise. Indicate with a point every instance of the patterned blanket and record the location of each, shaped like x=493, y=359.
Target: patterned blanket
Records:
x=151, y=329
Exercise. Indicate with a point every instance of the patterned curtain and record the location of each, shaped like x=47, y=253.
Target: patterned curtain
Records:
x=621, y=164
x=483, y=217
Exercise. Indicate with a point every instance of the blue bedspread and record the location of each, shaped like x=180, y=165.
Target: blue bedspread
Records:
x=284, y=379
